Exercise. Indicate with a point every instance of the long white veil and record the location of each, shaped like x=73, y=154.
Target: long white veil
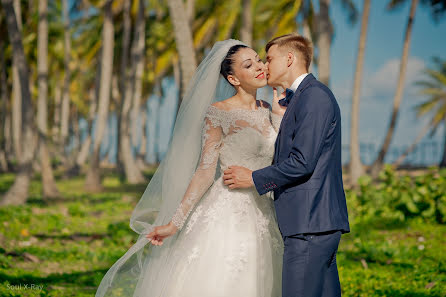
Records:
x=169, y=183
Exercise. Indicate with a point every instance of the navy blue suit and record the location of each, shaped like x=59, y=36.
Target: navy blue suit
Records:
x=306, y=177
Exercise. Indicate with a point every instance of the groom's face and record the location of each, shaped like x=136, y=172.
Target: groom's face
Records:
x=277, y=63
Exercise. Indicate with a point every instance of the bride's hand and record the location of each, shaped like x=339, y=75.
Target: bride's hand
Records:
x=160, y=233
x=276, y=107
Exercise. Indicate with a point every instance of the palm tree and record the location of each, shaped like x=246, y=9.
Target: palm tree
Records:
x=434, y=86
x=3, y=108
x=378, y=163
x=131, y=89
x=17, y=97
x=184, y=42
x=93, y=178
x=307, y=23
x=48, y=184
x=65, y=107
x=437, y=11
x=247, y=20
x=18, y=192
x=356, y=169
x=325, y=35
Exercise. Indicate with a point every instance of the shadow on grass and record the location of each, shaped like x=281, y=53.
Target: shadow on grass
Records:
x=76, y=236
x=38, y=201
x=81, y=278
x=126, y=188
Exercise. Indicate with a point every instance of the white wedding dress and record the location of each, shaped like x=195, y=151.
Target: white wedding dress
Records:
x=229, y=244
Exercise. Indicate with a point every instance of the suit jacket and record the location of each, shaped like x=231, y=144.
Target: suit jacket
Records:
x=306, y=172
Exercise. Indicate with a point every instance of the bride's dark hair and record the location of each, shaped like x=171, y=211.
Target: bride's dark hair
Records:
x=226, y=65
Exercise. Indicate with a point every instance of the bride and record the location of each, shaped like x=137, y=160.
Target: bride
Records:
x=208, y=240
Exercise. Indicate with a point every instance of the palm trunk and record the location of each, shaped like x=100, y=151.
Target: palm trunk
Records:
x=17, y=96
x=57, y=108
x=190, y=9
x=18, y=193
x=325, y=33
x=443, y=159
x=184, y=43
x=48, y=184
x=246, y=29
x=143, y=147
x=420, y=136
x=3, y=111
x=356, y=168
x=85, y=146
x=123, y=79
x=65, y=112
x=378, y=164
x=132, y=93
x=93, y=179
x=307, y=34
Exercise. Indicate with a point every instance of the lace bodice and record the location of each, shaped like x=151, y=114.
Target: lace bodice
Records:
x=230, y=137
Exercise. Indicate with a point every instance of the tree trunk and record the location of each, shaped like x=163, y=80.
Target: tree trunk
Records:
x=3, y=111
x=18, y=193
x=356, y=168
x=443, y=159
x=65, y=112
x=57, y=113
x=140, y=158
x=184, y=43
x=132, y=86
x=325, y=33
x=123, y=78
x=85, y=146
x=420, y=136
x=190, y=9
x=17, y=96
x=246, y=29
x=48, y=184
x=93, y=179
x=307, y=34
x=378, y=164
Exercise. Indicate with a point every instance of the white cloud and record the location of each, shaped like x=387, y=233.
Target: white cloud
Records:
x=381, y=85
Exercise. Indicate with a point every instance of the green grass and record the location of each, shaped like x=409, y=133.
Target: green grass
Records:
x=66, y=246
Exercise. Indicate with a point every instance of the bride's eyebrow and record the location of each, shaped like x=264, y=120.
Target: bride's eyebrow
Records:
x=257, y=56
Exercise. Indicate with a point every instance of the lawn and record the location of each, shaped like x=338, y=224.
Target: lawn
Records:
x=63, y=248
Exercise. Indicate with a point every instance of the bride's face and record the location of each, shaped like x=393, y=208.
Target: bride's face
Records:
x=249, y=71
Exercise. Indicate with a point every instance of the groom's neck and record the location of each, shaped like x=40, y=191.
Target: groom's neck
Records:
x=291, y=76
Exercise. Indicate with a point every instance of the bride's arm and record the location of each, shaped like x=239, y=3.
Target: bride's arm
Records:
x=202, y=179
x=204, y=175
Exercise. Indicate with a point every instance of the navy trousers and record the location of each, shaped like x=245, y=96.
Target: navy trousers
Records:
x=309, y=265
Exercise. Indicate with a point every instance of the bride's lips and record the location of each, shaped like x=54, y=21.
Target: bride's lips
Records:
x=261, y=75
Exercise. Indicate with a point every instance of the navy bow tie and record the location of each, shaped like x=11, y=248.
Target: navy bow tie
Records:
x=288, y=95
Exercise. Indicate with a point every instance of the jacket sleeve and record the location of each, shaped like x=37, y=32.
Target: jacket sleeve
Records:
x=314, y=113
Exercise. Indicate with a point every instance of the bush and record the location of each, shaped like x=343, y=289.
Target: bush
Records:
x=397, y=198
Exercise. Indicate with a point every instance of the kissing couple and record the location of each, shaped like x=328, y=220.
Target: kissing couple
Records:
x=249, y=200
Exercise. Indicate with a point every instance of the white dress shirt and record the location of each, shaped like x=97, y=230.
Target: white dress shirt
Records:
x=297, y=82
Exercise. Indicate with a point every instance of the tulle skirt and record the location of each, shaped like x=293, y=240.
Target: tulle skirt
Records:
x=230, y=246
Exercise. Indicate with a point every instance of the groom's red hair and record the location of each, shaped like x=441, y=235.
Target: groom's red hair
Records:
x=296, y=43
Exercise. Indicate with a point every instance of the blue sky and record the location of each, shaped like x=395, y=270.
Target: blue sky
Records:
x=383, y=51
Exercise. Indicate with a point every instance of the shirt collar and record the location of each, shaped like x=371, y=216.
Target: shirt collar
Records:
x=297, y=82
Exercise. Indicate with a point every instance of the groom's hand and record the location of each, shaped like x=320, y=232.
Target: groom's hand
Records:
x=237, y=177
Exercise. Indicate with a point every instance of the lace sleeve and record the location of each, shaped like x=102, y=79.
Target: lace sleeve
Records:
x=276, y=119
x=204, y=175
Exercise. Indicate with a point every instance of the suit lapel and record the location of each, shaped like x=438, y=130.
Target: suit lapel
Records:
x=309, y=78
x=295, y=98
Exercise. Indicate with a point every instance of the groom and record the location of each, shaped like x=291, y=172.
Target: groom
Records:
x=306, y=172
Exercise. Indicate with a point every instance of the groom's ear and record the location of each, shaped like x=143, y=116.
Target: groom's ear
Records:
x=291, y=58
x=233, y=80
